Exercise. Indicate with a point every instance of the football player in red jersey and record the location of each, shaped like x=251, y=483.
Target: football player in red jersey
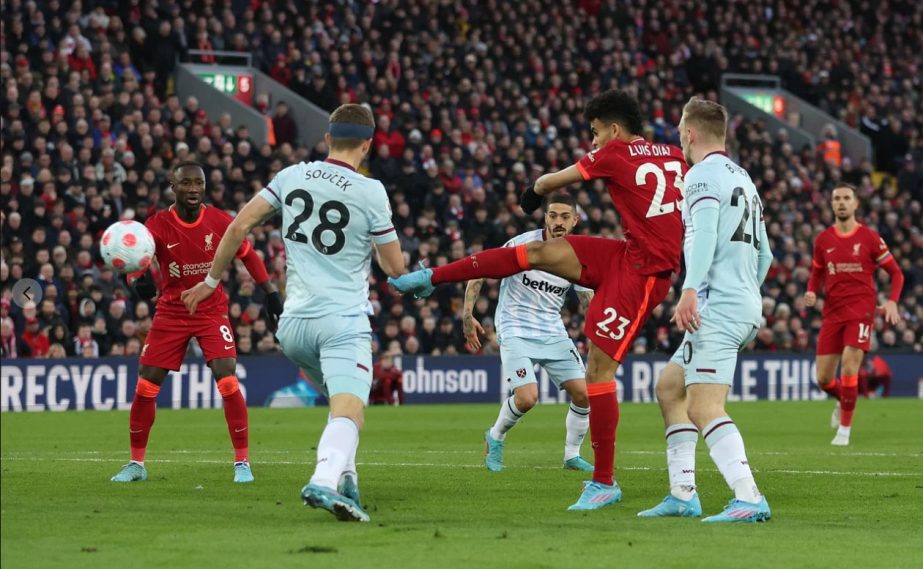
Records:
x=847, y=255
x=630, y=277
x=186, y=236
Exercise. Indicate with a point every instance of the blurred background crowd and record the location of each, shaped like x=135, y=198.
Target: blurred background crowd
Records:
x=472, y=99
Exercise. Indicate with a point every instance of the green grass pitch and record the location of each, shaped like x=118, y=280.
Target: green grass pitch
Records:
x=432, y=503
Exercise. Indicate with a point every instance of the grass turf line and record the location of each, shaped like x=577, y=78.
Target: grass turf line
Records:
x=433, y=505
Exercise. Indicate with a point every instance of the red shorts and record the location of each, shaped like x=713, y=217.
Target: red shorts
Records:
x=170, y=334
x=834, y=336
x=623, y=298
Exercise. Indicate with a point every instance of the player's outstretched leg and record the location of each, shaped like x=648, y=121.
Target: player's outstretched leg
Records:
x=337, y=444
x=683, y=500
x=492, y=263
x=235, y=413
x=141, y=419
x=726, y=448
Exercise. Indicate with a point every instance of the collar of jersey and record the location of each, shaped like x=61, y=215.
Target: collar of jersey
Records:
x=850, y=234
x=188, y=225
x=716, y=152
x=336, y=162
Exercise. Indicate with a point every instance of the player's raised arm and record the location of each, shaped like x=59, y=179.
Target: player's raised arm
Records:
x=531, y=199
x=254, y=213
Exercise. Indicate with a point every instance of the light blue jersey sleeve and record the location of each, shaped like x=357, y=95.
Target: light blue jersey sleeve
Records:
x=379, y=216
x=704, y=201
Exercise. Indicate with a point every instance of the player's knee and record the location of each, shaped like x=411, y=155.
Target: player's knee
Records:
x=155, y=375
x=223, y=367
x=525, y=399
x=536, y=253
x=580, y=399
x=669, y=391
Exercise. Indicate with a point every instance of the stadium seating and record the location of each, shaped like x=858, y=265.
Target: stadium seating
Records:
x=471, y=105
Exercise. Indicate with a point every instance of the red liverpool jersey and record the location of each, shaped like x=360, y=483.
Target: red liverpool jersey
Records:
x=645, y=182
x=185, y=252
x=849, y=262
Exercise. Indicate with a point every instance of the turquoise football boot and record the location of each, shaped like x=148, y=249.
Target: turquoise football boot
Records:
x=493, y=453
x=577, y=463
x=131, y=472
x=337, y=504
x=740, y=511
x=242, y=472
x=596, y=496
x=418, y=282
x=349, y=488
x=673, y=507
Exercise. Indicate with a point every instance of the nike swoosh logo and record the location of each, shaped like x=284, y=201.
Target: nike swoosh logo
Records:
x=829, y=250
x=600, y=334
x=172, y=245
x=136, y=432
x=229, y=346
x=240, y=430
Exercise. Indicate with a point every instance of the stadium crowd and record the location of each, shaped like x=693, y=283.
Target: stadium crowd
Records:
x=472, y=101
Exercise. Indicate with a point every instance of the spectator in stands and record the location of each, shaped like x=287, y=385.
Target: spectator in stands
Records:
x=387, y=382
x=283, y=125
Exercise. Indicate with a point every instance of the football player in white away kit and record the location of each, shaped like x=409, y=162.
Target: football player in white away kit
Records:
x=727, y=257
x=530, y=331
x=332, y=217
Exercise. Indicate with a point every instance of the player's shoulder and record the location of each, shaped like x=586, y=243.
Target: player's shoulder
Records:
x=870, y=233
x=216, y=214
x=528, y=236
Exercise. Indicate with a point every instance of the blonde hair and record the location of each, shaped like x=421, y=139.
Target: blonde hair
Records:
x=708, y=116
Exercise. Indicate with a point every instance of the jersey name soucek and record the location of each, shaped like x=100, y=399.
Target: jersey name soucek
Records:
x=185, y=252
x=645, y=183
x=849, y=263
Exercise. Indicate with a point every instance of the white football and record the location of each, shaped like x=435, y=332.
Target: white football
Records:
x=127, y=247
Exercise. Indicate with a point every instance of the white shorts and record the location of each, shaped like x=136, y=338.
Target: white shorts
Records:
x=709, y=355
x=334, y=351
x=556, y=354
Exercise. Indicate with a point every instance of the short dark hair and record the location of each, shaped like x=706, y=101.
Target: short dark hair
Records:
x=616, y=106
x=353, y=114
x=560, y=197
x=187, y=164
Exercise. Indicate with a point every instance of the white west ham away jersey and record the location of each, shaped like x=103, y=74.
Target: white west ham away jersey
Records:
x=730, y=290
x=331, y=215
x=530, y=302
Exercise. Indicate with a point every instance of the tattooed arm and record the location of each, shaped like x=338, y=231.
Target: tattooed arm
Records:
x=470, y=325
x=585, y=297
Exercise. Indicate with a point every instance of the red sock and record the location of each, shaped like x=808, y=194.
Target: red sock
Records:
x=832, y=389
x=492, y=264
x=141, y=417
x=235, y=413
x=849, y=392
x=604, y=419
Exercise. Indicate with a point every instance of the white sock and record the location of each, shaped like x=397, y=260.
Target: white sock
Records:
x=577, y=424
x=726, y=447
x=844, y=431
x=506, y=420
x=350, y=468
x=337, y=444
x=681, y=441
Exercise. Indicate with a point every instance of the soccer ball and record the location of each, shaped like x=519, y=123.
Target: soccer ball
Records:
x=127, y=247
